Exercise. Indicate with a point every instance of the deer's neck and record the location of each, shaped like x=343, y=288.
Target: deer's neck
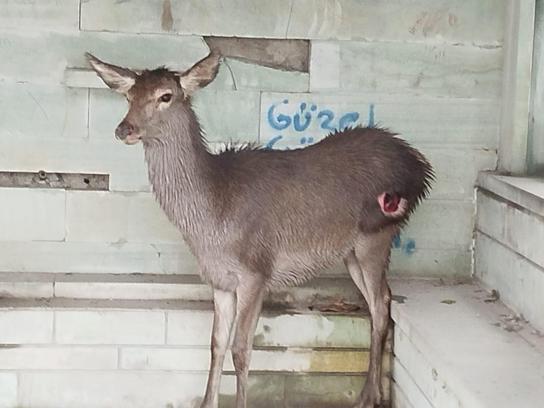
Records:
x=181, y=172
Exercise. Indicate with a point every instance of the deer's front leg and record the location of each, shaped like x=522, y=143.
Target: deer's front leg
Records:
x=249, y=296
x=224, y=312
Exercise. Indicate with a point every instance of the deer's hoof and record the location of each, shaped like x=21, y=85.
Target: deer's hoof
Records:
x=371, y=398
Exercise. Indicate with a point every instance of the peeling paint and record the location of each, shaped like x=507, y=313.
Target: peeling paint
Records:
x=288, y=55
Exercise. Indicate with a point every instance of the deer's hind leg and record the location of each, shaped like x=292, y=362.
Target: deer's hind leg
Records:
x=367, y=264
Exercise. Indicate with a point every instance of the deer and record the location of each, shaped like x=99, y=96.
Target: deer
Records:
x=257, y=219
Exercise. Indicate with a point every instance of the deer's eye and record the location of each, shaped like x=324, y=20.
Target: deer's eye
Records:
x=167, y=97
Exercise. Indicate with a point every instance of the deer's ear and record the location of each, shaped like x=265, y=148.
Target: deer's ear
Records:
x=117, y=78
x=200, y=74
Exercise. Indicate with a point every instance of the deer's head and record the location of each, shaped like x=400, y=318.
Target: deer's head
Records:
x=153, y=96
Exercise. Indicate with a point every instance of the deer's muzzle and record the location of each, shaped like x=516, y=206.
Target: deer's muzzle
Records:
x=127, y=132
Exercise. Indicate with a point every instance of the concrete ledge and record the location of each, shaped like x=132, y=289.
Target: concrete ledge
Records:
x=527, y=192
x=325, y=294
x=461, y=347
x=509, y=235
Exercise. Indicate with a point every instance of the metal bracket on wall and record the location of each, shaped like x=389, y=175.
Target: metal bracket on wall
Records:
x=42, y=179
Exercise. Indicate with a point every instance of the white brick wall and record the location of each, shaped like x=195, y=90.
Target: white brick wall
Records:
x=134, y=217
x=58, y=358
x=109, y=327
x=8, y=390
x=26, y=326
x=32, y=214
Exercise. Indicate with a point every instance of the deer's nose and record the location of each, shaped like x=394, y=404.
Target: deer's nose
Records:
x=123, y=130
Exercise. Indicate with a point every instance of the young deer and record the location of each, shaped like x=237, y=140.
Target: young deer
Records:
x=257, y=219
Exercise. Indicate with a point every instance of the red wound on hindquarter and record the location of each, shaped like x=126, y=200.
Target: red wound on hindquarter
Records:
x=392, y=204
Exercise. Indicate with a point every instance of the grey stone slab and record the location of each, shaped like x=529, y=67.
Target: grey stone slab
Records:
x=429, y=263
x=32, y=214
x=56, y=51
x=58, y=358
x=26, y=326
x=124, y=164
x=132, y=217
x=96, y=257
x=8, y=389
x=40, y=14
x=250, y=76
x=209, y=17
x=407, y=68
x=29, y=112
x=519, y=230
x=440, y=225
x=228, y=116
x=25, y=289
x=423, y=21
x=456, y=170
x=109, y=327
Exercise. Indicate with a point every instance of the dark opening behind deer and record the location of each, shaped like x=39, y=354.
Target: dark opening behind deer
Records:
x=257, y=219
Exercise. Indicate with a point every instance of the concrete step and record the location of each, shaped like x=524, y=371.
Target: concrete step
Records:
x=509, y=236
x=63, y=352
x=458, y=346
x=322, y=293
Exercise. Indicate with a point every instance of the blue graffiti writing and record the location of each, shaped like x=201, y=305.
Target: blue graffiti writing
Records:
x=306, y=140
x=287, y=120
x=299, y=127
x=371, y=122
x=272, y=142
x=408, y=246
x=348, y=119
x=329, y=117
x=280, y=121
x=302, y=119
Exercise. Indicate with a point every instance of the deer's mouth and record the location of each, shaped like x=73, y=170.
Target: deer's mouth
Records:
x=132, y=139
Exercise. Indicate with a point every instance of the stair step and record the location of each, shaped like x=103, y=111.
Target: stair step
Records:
x=100, y=353
x=455, y=345
x=317, y=292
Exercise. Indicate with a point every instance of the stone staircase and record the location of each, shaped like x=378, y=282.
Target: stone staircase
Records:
x=127, y=340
